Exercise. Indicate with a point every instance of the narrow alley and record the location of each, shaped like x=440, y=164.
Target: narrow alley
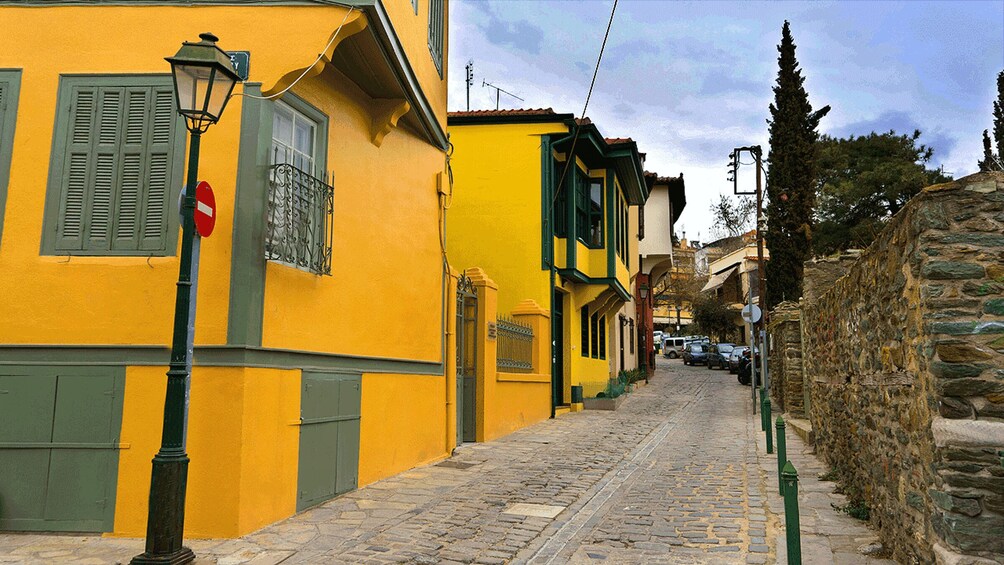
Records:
x=675, y=475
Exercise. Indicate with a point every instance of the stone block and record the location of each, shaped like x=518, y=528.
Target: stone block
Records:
x=955, y=370
x=970, y=387
x=961, y=352
x=957, y=504
x=955, y=408
x=994, y=306
x=981, y=239
x=969, y=481
x=982, y=288
x=970, y=534
x=951, y=270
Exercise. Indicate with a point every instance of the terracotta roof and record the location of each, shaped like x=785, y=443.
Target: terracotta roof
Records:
x=654, y=177
x=617, y=140
x=506, y=113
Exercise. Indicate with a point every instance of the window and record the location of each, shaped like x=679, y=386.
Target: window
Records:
x=595, y=336
x=436, y=32
x=560, y=203
x=621, y=230
x=589, y=210
x=115, y=174
x=584, y=329
x=603, y=337
x=300, y=199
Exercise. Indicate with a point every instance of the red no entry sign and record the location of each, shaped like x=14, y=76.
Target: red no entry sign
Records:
x=205, y=209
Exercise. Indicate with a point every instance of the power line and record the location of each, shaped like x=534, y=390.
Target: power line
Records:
x=578, y=126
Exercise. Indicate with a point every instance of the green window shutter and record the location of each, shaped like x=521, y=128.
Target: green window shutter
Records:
x=118, y=171
x=10, y=88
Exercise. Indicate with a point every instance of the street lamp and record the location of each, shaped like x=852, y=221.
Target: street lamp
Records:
x=203, y=81
x=643, y=291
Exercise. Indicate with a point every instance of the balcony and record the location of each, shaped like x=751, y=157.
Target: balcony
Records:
x=300, y=214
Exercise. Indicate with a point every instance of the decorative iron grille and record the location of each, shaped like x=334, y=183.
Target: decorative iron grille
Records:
x=300, y=212
x=514, y=346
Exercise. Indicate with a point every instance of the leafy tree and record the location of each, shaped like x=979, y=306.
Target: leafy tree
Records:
x=863, y=181
x=791, y=179
x=733, y=217
x=713, y=318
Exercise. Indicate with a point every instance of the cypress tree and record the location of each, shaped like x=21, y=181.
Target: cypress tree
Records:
x=987, y=164
x=791, y=179
x=999, y=117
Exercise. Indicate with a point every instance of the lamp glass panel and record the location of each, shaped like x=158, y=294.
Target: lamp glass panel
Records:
x=193, y=80
x=222, y=85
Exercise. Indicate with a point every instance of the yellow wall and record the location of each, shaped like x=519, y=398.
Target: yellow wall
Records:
x=520, y=399
x=494, y=221
x=242, y=432
x=386, y=244
x=403, y=424
x=592, y=374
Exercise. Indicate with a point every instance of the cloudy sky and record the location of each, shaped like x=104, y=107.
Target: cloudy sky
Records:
x=691, y=80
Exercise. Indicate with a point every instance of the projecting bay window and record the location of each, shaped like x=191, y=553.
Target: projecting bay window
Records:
x=116, y=170
x=300, y=197
x=589, y=210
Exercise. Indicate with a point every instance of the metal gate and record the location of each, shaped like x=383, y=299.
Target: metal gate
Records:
x=467, y=313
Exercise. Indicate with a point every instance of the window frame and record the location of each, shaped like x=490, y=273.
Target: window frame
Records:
x=584, y=330
x=437, y=33
x=589, y=223
x=54, y=189
x=320, y=121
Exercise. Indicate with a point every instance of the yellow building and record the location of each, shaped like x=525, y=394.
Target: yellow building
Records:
x=573, y=251
x=328, y=170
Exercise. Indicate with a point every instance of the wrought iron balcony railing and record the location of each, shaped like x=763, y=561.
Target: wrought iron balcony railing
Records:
x=300, y=212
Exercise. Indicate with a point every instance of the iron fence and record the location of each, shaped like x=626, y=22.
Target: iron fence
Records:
x=300, y=212
x=514, y=346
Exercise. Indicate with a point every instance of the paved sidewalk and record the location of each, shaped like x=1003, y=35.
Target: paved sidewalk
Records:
x=675, y=475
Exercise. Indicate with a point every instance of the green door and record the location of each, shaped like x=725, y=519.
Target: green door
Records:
x=329, y=436
x=59, y=447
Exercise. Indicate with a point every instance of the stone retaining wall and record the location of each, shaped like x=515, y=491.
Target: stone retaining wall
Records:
x=904, y=358
x=785, y=359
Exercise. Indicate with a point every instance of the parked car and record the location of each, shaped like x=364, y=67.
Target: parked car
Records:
x=718, y=354
x=672, y=347
x=735, y=356
x=695, y=353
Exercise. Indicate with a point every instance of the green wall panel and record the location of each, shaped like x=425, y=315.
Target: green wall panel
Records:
x=329, y=436
x=59, y=453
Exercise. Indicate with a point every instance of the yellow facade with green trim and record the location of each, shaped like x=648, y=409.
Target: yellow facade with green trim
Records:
x=268, y=334
x=507, y=217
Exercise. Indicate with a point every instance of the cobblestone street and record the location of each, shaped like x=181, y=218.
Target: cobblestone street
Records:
x=673, y=476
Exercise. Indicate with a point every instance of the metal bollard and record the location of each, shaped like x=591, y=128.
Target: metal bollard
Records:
x=782, y=454
x=766, y=415
x=791, y=528
x=764, y=418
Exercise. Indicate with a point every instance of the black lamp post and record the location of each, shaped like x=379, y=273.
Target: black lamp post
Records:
x=203, y=81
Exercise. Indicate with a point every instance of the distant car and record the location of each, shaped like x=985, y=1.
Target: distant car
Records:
x=672, y=347
x=718, y=354
x=735, y=356
x=695, y=354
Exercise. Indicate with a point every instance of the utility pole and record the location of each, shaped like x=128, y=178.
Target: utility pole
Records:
x=497, y=91
x=470, y=81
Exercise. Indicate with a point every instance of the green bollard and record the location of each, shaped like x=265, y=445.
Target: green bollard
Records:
x=782, y=454
x=770, y=439
x=764, y=418
x=791, y=527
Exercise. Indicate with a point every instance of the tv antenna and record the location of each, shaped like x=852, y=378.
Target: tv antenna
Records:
x=470, y=81
x=497, y=91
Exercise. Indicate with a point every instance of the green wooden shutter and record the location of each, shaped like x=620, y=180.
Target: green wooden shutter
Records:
x=436, y=32
x=118, y=170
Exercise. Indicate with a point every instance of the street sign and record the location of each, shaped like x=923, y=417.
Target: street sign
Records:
x=241, y=60
x=751, y=313
x=205, y=209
